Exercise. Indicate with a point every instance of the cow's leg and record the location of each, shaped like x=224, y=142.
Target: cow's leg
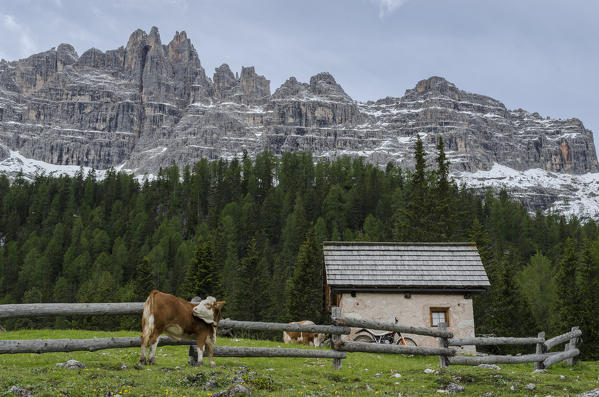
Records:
x=201, y=342
x=193, y=356
x=153, y=351
x=210, y=341
x=153, y=343
x=147, y=327
x=142, y=354
x=145, y=342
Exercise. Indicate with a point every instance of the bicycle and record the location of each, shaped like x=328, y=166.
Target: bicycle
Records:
x=383, y=337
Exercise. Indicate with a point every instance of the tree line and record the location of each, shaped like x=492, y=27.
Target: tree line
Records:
x=250, y=231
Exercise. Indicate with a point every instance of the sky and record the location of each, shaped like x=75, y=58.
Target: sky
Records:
x=538, y=55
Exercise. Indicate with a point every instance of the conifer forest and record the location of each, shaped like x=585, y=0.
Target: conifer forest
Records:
x=250, y=231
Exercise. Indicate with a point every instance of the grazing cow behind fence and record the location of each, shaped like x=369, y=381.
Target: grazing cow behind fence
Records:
x=165, y=313
x=306, y=338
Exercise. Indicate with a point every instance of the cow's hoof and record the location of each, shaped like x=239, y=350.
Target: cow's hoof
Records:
x=142, y=361
x=151, y=361
x=212, y=364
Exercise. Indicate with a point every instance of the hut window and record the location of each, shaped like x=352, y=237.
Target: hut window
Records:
x=439, y=315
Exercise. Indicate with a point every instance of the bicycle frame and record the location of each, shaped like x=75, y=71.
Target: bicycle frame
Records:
x=387, y=338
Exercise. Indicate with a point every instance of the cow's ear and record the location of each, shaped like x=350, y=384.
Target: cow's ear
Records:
x=219, y=304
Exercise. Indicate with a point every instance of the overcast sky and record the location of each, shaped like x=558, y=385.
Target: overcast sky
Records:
x=542, y=56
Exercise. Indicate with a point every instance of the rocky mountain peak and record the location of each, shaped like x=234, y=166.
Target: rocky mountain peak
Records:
x=324, y=84
x=135, y=54
x=290, y=88
x=154, y=38
x=224, y=81
x=65, y=55
x=247, y=88
x=92, y=58
x=180, y=49
x=252, y=84
x=434, y=86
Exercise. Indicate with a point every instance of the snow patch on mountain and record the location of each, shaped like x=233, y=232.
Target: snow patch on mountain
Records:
x=15, y=165
x=577, y=195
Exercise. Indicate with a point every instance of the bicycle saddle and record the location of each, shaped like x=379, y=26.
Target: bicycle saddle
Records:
x=377, y=332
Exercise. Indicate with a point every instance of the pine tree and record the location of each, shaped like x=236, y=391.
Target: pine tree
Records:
x=538, y=286
x=144, y=281
x=294, y=232
x=443, y=214
x=567, y=297
x=244, y=302
x=203, y=278
x=588, y=302
x=484, y=301
x=304, y=288
x=413, y=222
x=509, y=311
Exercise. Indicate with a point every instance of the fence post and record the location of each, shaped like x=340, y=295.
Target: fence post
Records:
x=335, y=339
x=540, y=350
x=571, y=346
x=443, y=342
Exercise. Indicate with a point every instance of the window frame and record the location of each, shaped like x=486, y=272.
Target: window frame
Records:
x=444, y=310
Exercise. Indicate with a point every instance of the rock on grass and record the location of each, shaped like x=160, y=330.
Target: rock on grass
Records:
x=71, y=364
x=234, y=391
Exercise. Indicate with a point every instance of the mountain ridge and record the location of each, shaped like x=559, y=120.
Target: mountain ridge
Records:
x=148, y=105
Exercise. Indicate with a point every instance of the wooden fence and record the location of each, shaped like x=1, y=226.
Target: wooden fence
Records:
x=341, y=326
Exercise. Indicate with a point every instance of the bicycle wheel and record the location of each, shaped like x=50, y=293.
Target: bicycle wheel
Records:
x=363, y=338
x=409, y=342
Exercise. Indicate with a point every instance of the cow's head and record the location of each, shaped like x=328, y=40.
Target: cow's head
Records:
x=319, y=339
x=217, y=309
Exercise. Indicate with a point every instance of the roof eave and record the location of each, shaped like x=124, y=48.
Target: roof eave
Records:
x=456, y=243
x=403, y=289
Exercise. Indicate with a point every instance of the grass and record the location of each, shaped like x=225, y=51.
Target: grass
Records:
x=362, y=374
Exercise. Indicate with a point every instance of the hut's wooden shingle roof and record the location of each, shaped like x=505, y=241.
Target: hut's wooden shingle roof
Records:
x=417, y=265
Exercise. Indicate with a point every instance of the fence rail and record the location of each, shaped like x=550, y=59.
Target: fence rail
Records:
x=493, y=341
x=69, y=309
x=575, y=333
x=95, y=344
x=342, y=326
x=366, y=347
x=352, y=322
x=261, y=326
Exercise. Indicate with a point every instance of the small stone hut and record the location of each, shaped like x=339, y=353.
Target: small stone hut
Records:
x=420, y=284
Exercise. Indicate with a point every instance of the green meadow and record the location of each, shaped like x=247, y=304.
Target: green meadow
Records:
x=362, y=374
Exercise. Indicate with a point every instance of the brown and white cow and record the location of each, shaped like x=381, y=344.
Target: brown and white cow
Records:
x=165, y=313
x=305, y=338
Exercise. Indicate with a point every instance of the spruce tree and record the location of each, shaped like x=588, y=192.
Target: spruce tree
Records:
x=538, y=287
x=203, y=278
x=443, y=215
x=144, y=281
x=482, y=302
x=509, y=311
x=304, y=288
x=413, y=222
x=244, y=302
x=588, y=303
x=567, y=298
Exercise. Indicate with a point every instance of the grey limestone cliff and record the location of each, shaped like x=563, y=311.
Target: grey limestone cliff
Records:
x=149, y=105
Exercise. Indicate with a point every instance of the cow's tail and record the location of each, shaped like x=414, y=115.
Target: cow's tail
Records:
x=147, y=319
